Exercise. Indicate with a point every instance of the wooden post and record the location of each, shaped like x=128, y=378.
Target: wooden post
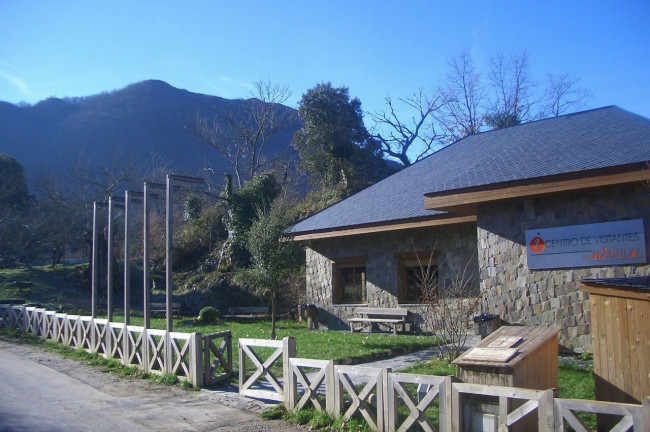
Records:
x=288, y=351
x=545, y=412
x=444, y=401
x=242, y=366
x=456, y=410
x=95, y=263
x=127, y=261
x=382, y=386
x=196, y=360
x=145, y=256
x=330, y=397
x=109, y=268
x=169, y=233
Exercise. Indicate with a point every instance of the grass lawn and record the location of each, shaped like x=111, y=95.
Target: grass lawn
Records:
x=340, y=346
x=63, y=287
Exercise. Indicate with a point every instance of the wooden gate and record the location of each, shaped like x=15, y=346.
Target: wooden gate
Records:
x=219, y=367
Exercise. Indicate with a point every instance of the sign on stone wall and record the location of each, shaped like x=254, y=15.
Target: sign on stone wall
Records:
x=591, y=245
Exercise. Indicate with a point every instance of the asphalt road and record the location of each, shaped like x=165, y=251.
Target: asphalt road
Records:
x=41, y=391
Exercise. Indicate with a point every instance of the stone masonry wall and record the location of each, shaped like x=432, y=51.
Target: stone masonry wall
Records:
x=456, y=246
x=550, y=297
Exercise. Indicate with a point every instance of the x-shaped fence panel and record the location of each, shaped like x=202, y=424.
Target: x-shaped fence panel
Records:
x=631, y=416
x=134, y=340
x=5, y=310
x=49, y=325
x=180, y=349
x=406, y=387
x=535, y=400
x=156, y=349
x=86, y=329
x=72, y=330
x=222, y=357
x=34, y=320
x=283, y=349
x=311, y=385
x=59, y=328
x=100, y=327
x=375, y=381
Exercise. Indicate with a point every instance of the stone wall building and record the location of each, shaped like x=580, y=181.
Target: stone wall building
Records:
x=474, y=202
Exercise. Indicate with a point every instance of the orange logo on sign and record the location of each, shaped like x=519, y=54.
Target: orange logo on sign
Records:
x=537, y=245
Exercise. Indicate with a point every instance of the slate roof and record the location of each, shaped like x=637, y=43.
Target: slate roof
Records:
x=599, y=138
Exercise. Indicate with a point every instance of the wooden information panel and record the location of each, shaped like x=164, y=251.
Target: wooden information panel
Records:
x=504, y=342
x=501, y=355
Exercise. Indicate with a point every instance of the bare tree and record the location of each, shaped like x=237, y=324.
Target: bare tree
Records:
x=448, y=310
x=513, y=101
x=241, y=137
x=401, y=137
x=562, y=94
x=466, y=97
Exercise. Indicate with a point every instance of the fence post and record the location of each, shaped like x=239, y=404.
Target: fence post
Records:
x=205, y=342
x=444, y=403
x=242, y=366
x=196, y=359
x=288, y=351
x=646, y=414
x=108, y=339
x=126, y=356
x=145, y=350
x=330, y=397
x=546, y=412
x=169, y=362
x=25, y=320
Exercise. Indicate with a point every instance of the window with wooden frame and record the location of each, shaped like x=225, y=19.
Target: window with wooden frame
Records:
x=349, y=281
x=418, y=277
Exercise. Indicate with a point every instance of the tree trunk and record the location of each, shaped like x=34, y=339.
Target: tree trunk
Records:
x=273, y=304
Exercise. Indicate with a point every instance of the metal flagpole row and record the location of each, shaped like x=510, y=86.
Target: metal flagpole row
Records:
x=125, y=203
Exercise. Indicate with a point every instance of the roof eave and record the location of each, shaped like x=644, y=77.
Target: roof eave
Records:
x=466, y=200
x=441, y=220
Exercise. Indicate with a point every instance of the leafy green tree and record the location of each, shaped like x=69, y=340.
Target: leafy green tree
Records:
x=241, y=205
x=18, y=241
x=13, y=187
x=334, y=146
x=274, y=256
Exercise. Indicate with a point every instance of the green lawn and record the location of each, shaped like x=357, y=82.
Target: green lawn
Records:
x=62, y=287
x=339, y=346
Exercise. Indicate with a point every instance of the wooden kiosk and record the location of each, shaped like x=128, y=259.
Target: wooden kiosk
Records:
x=620, y=335
x=512, y=356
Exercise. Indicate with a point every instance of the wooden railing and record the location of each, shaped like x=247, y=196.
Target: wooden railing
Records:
x=375, y=394
x=263, y=383
x=381, y=397
x=153, y=351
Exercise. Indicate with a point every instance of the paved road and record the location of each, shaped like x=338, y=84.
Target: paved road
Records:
x=40, y=391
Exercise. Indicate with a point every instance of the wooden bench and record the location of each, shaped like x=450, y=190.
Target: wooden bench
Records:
x=247, y=313
x=372, y=316
x=161, y=309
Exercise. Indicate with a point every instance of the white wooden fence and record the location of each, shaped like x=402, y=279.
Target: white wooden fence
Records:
x=187, y=355
x=379, y=395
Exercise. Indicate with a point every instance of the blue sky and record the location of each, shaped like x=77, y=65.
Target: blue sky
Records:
x=78, y=48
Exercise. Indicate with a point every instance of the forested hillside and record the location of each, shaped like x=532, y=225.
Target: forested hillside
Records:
x=147, y=124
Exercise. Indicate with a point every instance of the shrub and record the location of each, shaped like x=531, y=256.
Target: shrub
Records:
x=209, y=315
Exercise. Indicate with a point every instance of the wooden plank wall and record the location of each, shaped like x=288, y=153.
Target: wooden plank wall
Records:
x=621, y=347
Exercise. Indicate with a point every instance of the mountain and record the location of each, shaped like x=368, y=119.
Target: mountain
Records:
x=142, y=122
